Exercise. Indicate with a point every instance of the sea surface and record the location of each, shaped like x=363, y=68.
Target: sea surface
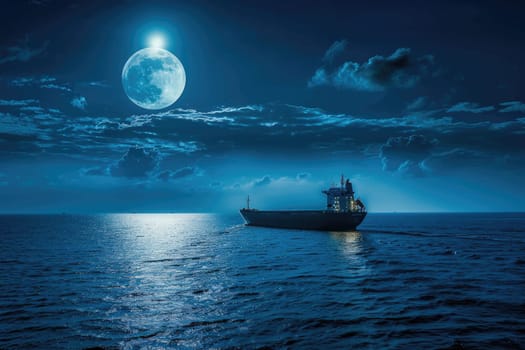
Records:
x=205, y=281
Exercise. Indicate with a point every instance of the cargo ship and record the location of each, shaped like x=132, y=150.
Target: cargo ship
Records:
x=343, y=213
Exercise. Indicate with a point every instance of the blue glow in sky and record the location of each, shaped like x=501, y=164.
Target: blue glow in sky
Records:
x=157, y=40
x=421, y=105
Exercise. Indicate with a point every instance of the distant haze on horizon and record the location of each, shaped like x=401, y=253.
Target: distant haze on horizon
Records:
x=420, y=105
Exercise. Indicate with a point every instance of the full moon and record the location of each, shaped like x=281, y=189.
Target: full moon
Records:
x=153, y=78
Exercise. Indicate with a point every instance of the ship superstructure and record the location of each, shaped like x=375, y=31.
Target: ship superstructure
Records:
x=341, y=199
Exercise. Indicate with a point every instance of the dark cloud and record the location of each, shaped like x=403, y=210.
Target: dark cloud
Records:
x=136, y=163
x=303, y=176
x=264, y=181
x=418, y=104
x=335, y=49
x=79, y=102
x=512, y=106
x=97, y=171
x=43, y=82
x=17, y=137
x=270, y=129
x=14, y=142
x=177, y=174
x=31, y=81
x=18, y=103
x=406, y=154
x=56, y=87
x=18, y=125
x=23, y=52
x=401, y=69
x=470, y=107
x=412, y=168
x=216, y=184
x=97, y=83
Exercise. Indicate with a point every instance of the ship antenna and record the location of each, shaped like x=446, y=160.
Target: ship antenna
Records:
x=248, y=202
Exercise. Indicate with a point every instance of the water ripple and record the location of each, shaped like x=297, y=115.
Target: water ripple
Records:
x=196, y=281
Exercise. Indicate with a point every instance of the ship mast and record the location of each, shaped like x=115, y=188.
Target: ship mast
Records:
x=248, y=202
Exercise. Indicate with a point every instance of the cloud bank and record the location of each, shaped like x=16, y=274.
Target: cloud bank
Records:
x=470, y=107
x=133, y=146
x=406, y=154
x=138, y=162
x=23, y=52
x=401, y=69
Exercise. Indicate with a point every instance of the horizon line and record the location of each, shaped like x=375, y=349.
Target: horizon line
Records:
x=236, y=212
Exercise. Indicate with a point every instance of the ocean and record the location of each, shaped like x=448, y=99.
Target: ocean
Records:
x=206, y=281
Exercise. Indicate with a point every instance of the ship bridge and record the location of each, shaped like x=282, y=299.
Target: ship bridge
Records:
x=341, y=199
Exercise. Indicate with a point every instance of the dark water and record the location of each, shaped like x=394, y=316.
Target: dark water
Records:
x=420, y=281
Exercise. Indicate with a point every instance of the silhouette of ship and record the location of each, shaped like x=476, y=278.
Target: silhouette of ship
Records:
x=343, y=213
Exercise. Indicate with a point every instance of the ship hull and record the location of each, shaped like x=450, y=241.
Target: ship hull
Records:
x=304, y=219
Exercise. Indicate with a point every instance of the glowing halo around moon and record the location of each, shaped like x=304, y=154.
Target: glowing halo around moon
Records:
x=153, y=78
x=156, y=40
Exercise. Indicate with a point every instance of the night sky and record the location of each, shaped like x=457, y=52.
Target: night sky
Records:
x=421, y=104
